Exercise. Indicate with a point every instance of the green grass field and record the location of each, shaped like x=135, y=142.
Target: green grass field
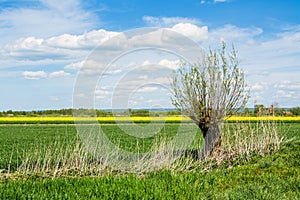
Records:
x=273, y=176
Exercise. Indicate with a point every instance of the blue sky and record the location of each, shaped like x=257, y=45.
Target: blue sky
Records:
x=46, y=43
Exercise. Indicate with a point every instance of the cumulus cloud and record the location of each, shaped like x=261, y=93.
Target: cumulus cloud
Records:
x=147, y=89
x=69, y=47
x=45, y=19
x=102, y=94
x=263, y=59
x=63, y=46
x=75, y=65
x=87, y=40
x=168, y=21
x=192, y=31
x=288, y=85
x=284, y=94
x=60, y=73
x=171, y=64
x=233, y=34
x=165, y=63
x=259, y=86
x=34, y=75
x=220, y=1
x=92, y=67
x=146, y=62
x=214, y=1
x=171, y=36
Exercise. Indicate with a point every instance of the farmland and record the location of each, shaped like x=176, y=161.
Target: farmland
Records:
x=270, y=176
x=169, y=119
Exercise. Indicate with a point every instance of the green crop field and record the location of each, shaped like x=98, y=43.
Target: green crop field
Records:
x=28, y=153
x=19, y=140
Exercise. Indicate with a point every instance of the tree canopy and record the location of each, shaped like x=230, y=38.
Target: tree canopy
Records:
x=210, y=90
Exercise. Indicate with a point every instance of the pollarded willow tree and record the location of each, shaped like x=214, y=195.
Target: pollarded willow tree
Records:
x=209, y=91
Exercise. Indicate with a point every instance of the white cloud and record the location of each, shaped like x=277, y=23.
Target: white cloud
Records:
x=270, y=64
x=165, y=63
x=87, y=64
x=67, y=48
x=171, y=64
x=54, y=98
x=52, y=17
x=87, y=40
x=233, y=34
x=60, y=73
x=168, y=21
x=259, y=86
x=92, y=67
x=276, y=56
x=163, y=38
x=147, y=89
x=220, y=1
x=284, y=94
x=74, y=65
x=214, y=1
x=192, y=31
x=111, y=72
x=60, y=47
x=102, y=92
x=100, y=97
x=34, y=75
x=146, y=62
x=288, y=85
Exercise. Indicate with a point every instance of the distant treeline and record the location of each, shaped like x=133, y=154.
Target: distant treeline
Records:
x=89, y=112
x=273, y=110
x=258, y=110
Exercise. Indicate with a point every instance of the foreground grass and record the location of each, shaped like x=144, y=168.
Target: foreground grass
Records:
x=39, y=144
x=275, y=176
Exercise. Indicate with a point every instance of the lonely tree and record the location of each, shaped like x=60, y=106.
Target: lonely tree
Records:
x=209, y=91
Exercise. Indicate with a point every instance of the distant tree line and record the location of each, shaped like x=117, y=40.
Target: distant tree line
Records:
x=259, y=110
x=295, y=111
x=87, y=112
x=273, y=110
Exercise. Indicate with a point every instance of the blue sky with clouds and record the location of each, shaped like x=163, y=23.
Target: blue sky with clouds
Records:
x=45, y=43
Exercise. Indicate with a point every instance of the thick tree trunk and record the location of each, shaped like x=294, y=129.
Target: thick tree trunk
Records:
x=212, y=139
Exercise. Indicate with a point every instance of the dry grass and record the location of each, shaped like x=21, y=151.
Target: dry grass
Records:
x=242, y=140
x=61, y=160
x=57, y=159
x=239, y=140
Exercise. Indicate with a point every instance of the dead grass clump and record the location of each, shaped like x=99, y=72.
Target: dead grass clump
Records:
x=245, y=139
x=64, y=158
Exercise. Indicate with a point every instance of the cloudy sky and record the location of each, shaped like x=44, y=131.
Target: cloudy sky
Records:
x=50, y=48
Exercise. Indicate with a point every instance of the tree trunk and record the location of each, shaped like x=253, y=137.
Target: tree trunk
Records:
x=212, y=139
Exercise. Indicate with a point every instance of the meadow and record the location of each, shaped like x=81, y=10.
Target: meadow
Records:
x=46, y=161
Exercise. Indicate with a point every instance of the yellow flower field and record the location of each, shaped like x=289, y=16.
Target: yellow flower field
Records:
x=170, y=118
x=33, y=119
x=264, y=118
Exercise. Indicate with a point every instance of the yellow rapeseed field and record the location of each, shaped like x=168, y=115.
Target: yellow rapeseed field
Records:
x=33, y=119
x=264, y=118
x=169, y=118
